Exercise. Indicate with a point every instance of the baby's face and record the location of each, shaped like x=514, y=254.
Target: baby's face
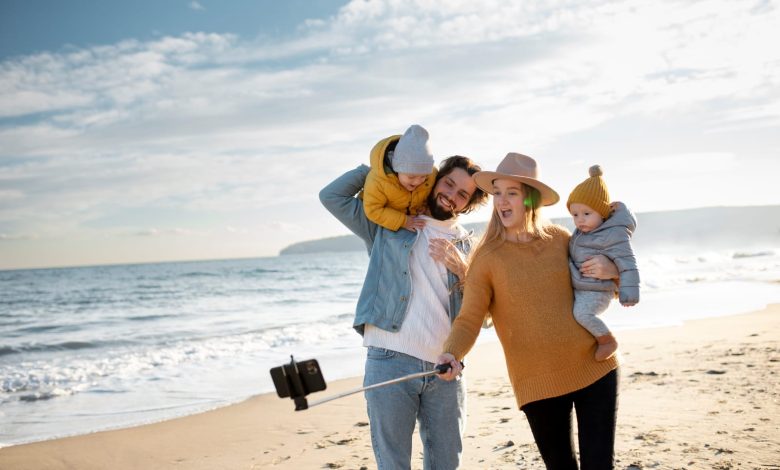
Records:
x=585, y=218
x=410, y=181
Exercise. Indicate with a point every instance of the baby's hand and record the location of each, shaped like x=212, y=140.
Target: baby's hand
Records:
x=629, y=296
x=413, y=223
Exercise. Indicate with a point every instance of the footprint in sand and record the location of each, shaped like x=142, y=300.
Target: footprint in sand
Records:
x=346, y=441
x=504, y=445
x=650, y=438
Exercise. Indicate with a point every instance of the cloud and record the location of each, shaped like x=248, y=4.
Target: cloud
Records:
x=194, y=5
x=16, y=237
x=284, y=227
x=127, y=75
x=10, y=195
x=154, y=232
x=234, y=127
x=687, y=163
x=236, y=230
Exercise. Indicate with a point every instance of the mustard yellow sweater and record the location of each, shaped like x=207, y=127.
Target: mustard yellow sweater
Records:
x=527, y=289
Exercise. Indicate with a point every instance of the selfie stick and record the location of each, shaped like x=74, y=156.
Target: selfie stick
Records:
x=440, y=369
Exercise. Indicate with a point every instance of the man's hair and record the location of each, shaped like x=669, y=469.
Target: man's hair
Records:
x=479, y=197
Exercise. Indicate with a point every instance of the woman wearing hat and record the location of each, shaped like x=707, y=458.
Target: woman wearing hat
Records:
x=519, y=273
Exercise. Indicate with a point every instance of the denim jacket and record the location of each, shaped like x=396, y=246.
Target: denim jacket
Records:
x=384, y=299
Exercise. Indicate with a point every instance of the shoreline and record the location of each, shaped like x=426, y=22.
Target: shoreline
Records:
x=334, y=371
x=701, y=394
x=659, y=310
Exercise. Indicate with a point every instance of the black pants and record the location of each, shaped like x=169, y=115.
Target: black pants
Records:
x=551, y=425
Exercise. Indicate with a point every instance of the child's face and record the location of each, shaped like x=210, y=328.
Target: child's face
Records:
x=410, y=181
x=585, y=218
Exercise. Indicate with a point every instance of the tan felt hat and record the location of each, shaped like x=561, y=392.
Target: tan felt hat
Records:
x=520, y=168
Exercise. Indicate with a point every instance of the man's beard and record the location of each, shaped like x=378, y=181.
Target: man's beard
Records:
x=438, y=212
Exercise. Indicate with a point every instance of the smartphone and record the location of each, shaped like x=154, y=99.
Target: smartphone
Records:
x=298, y=379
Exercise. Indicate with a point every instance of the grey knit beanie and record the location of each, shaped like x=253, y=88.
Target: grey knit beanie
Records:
x=412, y=153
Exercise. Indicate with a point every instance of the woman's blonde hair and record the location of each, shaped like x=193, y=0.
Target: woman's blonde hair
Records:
x=534, y=223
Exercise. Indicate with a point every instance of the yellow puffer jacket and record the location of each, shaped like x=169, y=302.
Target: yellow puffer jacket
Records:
x=385, y=201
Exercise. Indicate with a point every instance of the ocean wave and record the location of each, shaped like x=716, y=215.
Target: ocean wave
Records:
x=72, y=345
x=38, y=329
x=294, y=301
x=149, y=318
x=200, y=274
x=256, y=271
x=101, y=365
x=48, y=395
x=670, y=271
x=27, y=299
x=12, y=322
x=58, y=347
x=753, y=254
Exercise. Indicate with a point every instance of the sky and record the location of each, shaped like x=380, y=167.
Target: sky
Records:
x=153, y=131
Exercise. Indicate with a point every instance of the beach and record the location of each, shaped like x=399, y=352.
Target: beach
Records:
x=705, y=394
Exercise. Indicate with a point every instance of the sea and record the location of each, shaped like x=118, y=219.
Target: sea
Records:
x=86, y=349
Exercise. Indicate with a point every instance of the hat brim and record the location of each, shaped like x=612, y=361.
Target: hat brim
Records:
x=484, y=179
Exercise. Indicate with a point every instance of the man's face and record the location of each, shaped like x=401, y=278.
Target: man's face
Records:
x=451, y=194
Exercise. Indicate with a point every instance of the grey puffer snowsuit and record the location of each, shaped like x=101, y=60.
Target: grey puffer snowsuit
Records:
x=612, y=239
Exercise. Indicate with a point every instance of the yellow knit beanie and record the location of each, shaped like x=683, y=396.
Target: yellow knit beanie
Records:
x=592, y=192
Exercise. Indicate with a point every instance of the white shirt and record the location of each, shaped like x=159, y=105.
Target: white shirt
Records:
x=427, y=322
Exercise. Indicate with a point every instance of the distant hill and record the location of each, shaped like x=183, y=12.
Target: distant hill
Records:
x=713, y=226
x=343, y=243
x=332, y=244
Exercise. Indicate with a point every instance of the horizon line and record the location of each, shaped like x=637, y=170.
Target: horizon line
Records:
x=199, y=260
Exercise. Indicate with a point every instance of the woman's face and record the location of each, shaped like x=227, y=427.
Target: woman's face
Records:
x=508, y=203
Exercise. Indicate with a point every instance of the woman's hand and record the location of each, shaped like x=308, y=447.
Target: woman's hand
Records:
x=445, y=252
x=455, y=366
x=599, y=267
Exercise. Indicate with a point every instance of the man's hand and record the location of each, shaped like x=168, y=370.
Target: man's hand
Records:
x=412, y=224
x=445, y=252
x=455, y=366
x=599, y=267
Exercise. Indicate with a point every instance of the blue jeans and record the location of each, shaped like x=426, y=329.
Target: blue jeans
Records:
x=438, y=406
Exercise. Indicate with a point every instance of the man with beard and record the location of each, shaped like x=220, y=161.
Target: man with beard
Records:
x=409, y=299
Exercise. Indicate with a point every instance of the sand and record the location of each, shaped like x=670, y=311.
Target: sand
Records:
x=705, y=395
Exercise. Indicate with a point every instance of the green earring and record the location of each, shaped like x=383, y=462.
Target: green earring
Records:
x=532, y=200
